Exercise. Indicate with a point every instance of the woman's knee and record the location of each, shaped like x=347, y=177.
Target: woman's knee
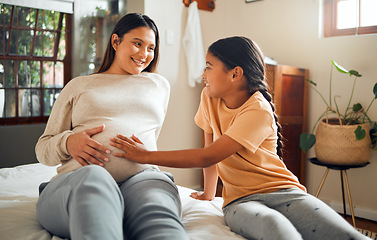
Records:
x=158, y=193
x=95, y=181
x=93, y=171
x=149, y=175
x=152, y=194
x=144, y=183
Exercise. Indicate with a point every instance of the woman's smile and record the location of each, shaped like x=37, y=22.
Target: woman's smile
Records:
x=138, y=62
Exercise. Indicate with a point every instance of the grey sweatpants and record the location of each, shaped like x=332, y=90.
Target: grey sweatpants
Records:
x=89, y=204
x=287, y=214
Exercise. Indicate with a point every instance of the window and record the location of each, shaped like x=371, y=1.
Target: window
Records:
x=350, y=17
x=35, y=62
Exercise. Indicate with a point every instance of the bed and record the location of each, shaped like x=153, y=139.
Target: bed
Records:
x=19, y=193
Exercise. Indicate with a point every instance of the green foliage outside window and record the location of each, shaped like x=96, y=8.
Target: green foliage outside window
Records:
x=31, y=65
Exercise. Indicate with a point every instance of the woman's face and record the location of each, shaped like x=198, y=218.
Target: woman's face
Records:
x=134, y=51
x=216, y=77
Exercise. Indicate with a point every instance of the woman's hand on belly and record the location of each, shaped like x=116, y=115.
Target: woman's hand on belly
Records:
x=86, y=150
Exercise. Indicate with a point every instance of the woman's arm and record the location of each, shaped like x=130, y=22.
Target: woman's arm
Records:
x=215, y=152
x=59, y=143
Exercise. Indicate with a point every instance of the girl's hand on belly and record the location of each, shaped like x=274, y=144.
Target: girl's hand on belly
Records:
x=84, y=149
x=133, y=149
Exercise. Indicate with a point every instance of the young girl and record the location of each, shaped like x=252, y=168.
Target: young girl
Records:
x=96, y=195
x=262, y=198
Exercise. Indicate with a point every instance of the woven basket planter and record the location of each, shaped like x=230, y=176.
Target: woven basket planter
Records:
x=336, y=144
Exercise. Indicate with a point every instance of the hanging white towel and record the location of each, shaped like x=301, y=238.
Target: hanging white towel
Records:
x=193, y=46
x=2, y=100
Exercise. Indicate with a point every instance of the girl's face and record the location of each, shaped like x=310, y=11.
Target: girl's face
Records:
x=134, y=51
x=216, y=77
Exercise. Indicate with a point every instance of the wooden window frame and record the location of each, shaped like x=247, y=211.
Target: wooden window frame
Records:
x=330, y=22
x=5, y=55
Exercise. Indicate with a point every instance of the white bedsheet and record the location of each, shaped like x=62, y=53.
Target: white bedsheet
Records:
x=19, y=193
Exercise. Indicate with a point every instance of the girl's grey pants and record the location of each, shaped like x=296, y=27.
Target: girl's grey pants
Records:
x=89, y=204
x=287, y=214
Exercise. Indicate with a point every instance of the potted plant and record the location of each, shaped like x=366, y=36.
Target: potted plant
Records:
x=342, y=139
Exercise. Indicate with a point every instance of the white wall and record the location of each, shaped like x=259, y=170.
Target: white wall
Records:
x=287, y=31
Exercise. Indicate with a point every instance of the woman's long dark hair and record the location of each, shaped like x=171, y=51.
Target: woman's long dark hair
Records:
x=243, y=52
x=124, y=25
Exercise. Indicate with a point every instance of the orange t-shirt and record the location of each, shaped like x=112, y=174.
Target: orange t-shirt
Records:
x=257, y=168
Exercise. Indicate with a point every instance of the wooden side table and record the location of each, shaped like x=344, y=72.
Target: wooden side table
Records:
x=343, y=172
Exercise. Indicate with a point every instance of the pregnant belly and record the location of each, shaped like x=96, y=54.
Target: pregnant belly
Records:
x=119, y=168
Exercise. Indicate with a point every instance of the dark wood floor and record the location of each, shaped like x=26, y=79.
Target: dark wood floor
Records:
x=363, y=223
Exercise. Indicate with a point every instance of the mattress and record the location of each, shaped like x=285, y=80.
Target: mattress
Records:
x=19, y=194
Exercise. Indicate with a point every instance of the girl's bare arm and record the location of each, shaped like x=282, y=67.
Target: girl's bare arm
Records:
x=210, y=176
x=215, y=152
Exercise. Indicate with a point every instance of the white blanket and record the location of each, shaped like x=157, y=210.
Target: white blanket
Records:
x=19, y=193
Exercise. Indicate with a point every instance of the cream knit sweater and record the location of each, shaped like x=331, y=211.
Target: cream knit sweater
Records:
x=126, y=104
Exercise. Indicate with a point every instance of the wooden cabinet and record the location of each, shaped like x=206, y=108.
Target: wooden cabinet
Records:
x=290, y=93
x=289, y=89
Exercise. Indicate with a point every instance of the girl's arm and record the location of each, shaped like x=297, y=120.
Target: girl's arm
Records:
x=210, y=176
x=215, y=152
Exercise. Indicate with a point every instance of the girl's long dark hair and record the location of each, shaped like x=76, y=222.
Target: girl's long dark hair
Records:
x=124, y=25
x=243, y=52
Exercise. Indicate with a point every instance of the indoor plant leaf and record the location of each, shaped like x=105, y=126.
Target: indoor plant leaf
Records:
x=311, y=82
x=357, y=107
x=360, y=133
x=339, y=68
x=354, y=73
x=307, y=141
x=375, y=90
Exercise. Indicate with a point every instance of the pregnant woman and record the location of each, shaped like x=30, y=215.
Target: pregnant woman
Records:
x=96, y=195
